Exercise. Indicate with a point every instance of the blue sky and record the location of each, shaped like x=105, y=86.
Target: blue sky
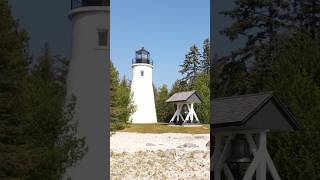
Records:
x=166, y=28
x=45, y=21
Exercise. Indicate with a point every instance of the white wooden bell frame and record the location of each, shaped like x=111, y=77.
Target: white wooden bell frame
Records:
x=191, y=116
x=260, y=163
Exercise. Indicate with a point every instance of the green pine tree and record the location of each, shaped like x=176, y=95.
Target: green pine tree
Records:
x=49, y=128
x=14, y=60
x=229, y=77
x=121, y=106
x=191, y=65
x=306, y=16
x=202, y=87
x=205, y=57
x=178, y=86
x=258, y=23
x=297, y=155
x=164, y=110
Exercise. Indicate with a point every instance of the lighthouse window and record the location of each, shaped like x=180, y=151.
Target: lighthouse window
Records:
x=142, y=73
x=103, y=37
x=144, y=56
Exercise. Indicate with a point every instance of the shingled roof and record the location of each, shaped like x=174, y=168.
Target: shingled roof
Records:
x=252, y=111
x=186, y=96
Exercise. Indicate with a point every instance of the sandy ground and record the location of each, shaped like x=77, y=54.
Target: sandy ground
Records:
x=159, y=156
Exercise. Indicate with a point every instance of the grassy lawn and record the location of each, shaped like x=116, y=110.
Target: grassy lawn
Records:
x=165, y=128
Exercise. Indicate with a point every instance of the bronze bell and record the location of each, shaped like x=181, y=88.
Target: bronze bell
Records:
x=185, y=109
x=240, y=152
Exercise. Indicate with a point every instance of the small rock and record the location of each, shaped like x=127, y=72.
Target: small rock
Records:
x=151, y=163
x=199, y=137
x=150, y=144
x=187, y=145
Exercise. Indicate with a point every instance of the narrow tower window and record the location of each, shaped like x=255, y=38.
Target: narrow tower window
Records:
x=103, y=37
x=142, y=73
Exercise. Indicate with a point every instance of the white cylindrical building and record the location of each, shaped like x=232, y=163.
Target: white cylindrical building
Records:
x=88, y=82
x=142, y=89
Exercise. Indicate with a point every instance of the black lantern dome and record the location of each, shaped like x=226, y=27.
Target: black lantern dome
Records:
x=85, y=3
x=142, y=56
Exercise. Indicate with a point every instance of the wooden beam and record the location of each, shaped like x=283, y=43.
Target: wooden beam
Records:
x=188, y=115
x=260, y=163
x=261, y=159
x=177, y=113
x=216, y=155
x=222, y=158
x=253, y=166
x=191, y=114
x=194, y=112
x=228, y=172
x=261, y=173
x=252, y=144
x=271, y=167
x=217, y=151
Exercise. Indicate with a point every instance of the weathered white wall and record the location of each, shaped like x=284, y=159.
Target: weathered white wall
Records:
x=88, y=81
x=143, y=95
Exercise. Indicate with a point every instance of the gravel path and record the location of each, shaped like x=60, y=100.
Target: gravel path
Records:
x=159, y=156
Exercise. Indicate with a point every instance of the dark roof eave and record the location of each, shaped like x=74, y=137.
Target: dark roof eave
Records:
x=186, y=99
x=177, y=101
x=291, y=120
x=246, y=119
x=228, y=124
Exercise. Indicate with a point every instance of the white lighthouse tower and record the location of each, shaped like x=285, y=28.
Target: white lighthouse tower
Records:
x=88, y=82
x=142, y=88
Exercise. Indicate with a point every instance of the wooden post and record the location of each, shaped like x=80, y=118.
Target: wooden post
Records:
x=191, y=114
x=194, y=113
x=177, y=114
x=261, y=158
x=188, y=115
x=262, y=168
x=181, y=105
x=216, y=156
x=219, y=158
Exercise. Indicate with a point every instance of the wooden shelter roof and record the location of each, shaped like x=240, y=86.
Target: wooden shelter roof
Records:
x=185, y=96
x=252, y=111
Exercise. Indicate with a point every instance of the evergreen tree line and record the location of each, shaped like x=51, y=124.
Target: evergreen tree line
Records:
x=121, y=105
x=37, y=135
x=195, y=70
x=280, y=54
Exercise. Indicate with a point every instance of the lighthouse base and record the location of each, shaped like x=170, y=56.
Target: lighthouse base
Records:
x=136, y=119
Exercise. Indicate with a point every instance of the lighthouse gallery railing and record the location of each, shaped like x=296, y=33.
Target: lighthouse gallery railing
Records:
x=84, y=3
